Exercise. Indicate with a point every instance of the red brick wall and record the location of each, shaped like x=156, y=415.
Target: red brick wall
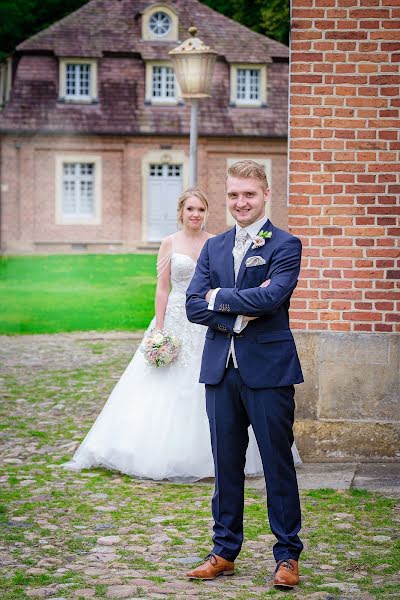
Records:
x=29, y=187
x=344, y=163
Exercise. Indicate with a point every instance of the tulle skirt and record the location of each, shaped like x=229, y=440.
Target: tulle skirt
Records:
x=154, y=424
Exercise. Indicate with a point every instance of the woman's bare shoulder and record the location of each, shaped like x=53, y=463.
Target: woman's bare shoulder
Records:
x=167, y=244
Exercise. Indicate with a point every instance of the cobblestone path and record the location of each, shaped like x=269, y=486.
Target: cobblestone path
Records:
x=98, y=534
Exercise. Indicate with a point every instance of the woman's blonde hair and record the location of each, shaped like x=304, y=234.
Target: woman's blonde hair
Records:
x=185, y=195
x=249, y=168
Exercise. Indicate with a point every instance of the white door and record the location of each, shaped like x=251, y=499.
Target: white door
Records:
x=164, y=185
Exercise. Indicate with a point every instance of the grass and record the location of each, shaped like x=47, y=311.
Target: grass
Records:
x=53, y=294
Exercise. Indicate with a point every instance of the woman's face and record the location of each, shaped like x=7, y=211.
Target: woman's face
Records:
x=193, y=213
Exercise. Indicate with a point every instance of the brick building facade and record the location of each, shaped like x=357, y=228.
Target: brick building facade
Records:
x=94, y=135
x=344, y=204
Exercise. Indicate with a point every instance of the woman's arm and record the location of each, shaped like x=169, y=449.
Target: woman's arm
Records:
x=163, y=281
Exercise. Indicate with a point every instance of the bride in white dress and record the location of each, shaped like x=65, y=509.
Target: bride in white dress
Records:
x=154, y=424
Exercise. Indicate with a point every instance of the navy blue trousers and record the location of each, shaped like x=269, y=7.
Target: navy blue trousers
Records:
x=231, y=408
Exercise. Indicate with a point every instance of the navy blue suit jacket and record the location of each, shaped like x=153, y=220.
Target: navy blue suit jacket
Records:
x=265, y=350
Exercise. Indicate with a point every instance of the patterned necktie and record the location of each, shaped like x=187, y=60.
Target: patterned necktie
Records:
x=239, y=249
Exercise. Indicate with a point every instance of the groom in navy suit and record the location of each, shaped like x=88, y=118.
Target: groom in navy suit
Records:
x=241, y=290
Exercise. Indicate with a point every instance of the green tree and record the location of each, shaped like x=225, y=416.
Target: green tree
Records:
x=270, y=17
x=275, y=20
x=20, y=19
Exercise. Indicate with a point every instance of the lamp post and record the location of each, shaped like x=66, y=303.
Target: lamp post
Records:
x=193, y=63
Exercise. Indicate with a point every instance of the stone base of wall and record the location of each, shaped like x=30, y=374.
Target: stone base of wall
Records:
x=348, y=408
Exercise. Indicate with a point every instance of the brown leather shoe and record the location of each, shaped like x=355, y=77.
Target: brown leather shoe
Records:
x=286, y=573
x=213, y=566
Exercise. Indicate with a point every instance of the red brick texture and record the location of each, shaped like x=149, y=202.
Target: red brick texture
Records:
x=344, y=164
x=28, y=199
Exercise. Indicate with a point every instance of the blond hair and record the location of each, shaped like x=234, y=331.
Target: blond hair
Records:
x=249, y=168
x=185, y=195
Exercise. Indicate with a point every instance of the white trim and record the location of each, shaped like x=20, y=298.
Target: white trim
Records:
x=5, y=81
x=8, y=79
x=171, y=157
x=93, y=95
x=267, y=163
x=171, y=35
x=2, y=84
x=262, y=84
x=60, y=217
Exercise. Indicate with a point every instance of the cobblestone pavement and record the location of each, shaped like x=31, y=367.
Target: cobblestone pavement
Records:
x=98, y=534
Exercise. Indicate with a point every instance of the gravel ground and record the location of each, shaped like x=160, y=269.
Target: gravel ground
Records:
x=97, y=534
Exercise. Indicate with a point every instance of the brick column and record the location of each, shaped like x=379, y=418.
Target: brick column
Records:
x=344, y=205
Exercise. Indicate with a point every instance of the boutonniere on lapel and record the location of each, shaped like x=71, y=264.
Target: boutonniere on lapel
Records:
x=260, y=238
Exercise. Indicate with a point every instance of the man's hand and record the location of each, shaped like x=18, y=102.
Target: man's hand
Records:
x=208, y=295
x=265, y=283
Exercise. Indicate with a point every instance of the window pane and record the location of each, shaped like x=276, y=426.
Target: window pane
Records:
x=78, y=80
x=84, y=79
x=70, y=86
x=159, y=23
x=163, y=82
x=248, y=84
x=69, y=200
x=78, y=189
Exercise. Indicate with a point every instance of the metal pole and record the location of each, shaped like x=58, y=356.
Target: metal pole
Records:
x=193, y=143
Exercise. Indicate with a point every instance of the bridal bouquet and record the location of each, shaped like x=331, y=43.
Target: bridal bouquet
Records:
x=160, y=348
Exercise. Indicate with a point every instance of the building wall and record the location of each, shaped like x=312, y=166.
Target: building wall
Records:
x=344, y=205
x=28, y=222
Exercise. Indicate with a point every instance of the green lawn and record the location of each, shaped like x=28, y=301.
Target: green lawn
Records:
x=49, y=294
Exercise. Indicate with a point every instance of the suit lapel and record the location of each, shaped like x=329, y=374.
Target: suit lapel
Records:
x=252, y=252
x=229, y=242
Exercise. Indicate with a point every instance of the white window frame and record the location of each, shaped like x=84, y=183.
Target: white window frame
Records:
x=267, y=164
x=92, y=96
x=262, y=99
x=164, y=14
x=79, y=219
x=165, y=100
x=148, y=34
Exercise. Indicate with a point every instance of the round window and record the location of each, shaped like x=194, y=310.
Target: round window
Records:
x=160, y=23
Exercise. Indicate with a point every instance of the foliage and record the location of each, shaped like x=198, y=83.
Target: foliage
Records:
x=275, y=20
x=20, y=19
x=48, y=294
x=270, y=17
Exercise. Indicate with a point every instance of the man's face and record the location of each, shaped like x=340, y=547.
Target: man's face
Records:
x=246, y=199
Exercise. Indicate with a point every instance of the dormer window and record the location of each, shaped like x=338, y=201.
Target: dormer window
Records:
x=248, y=85
x=78, y=80
x=161, y=84
x=160, y=23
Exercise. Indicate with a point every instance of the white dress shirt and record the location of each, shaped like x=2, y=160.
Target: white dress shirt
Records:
x=241, y=320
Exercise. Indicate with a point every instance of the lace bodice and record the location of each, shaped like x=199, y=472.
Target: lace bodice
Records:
x=190, y=334
x=182, y=269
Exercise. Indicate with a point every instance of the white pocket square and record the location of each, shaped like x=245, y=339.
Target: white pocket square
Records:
x=255, y=261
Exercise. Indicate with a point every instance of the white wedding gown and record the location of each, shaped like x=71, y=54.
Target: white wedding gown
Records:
x=154, y=424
